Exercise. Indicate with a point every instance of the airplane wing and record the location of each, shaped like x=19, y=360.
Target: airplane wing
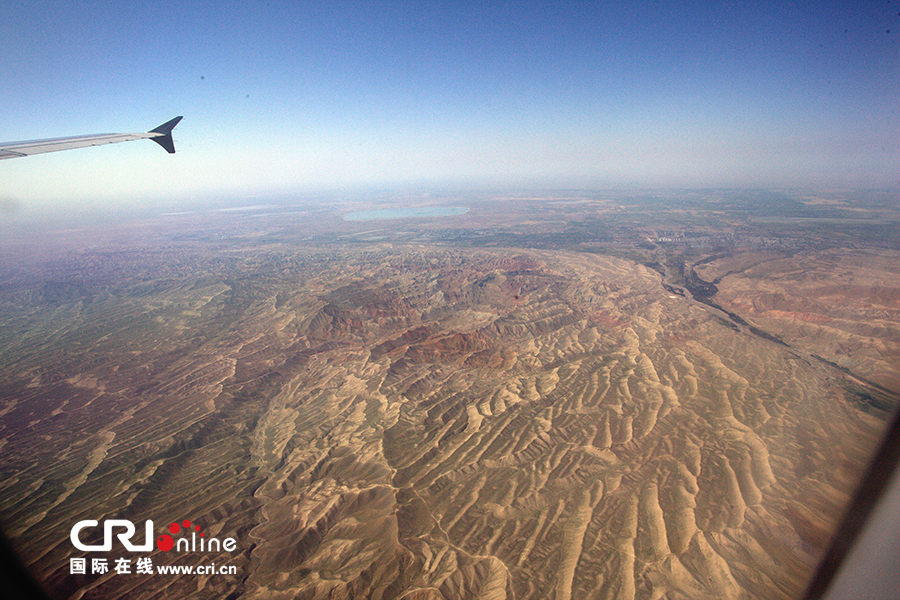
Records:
x=162, y=135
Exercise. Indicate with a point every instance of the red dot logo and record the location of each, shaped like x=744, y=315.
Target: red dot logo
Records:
x=165, y=542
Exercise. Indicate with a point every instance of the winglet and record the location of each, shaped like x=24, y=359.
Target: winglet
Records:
x=165, y=137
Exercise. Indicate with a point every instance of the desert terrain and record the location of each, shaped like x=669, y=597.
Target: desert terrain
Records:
x=843, y=302
x=488, y=405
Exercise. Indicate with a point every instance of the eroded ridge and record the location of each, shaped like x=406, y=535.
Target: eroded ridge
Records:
x=430, y=423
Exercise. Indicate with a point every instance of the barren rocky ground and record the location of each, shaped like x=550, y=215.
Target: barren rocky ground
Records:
x=435, y=422
x=843, y=304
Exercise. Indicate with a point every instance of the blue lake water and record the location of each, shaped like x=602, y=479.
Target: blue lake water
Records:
x=406, y=213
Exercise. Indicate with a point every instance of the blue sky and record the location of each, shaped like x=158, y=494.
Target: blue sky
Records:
x=290, y=97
